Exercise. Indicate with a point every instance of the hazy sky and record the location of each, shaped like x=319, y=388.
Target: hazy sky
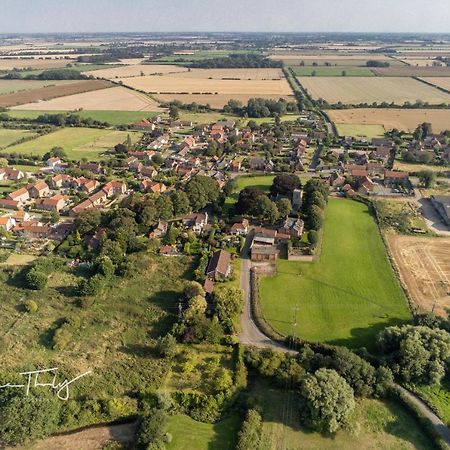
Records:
x=224, y=15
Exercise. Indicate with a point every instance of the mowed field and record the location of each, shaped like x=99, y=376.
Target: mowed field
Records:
x=402, y=119
x=345, y=297
x=360, y=130
x=372, y=89
x=8, y=137
x=135, y=70
x=209, y=85
x=424, y=264
x=52, y=91
x=115, y=99
x=78, y=143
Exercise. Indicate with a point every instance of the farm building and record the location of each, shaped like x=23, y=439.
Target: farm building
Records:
x=219, y=265
x=442, y=205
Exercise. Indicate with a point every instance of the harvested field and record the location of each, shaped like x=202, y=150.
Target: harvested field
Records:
x=411, y=71
x=112, y=99
x=233, y=74
x=218, y=100
x=372, y=89
x=47, y=93
x=135, y=71
x=424, y=265
x=9, y=64
x=13, y=86
x=442, y=82
x=402, y=119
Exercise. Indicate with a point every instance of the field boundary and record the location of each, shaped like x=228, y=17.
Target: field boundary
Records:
x=440, y=88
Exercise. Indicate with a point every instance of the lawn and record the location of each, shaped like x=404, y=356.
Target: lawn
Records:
x=24, y=168
x=345, y=297
x=78, y=143
x=332, y=71
x=360, y=130
x=187, y=434
x=8, y=137
x=381, y=425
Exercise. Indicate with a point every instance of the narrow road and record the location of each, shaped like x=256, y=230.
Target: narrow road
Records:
x=441, y=427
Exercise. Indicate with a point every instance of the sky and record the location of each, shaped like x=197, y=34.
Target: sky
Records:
x=36, y=16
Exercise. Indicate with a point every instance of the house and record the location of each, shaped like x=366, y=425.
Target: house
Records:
x=148, y=171
x=358, y=174
x=53, y=162
x=187, y=143
x=208, y=286
x=10, y=204
x=160, y=230
x=442, y=205
x=240, y=228
x=168, y=250
x=21, y=195
x=394, y=178
x=21, y=216
x=264, y=253
x=144, y=125
x=91, y=167
x=196, y=221
x=292, y=227
x=219, y=265
x=61, y=181
x=35, y=231
x=381, y=154
x=336, y=180
x=9, y=173
x=114, y=188
x=87, y=185
x=375, y=168
x=55, y=203
x=152, y=186
x=83, y=206
x=140, y=155
x=235, y=165
x=98, y=198
x=7, y=223
x=256, y=163
x=39, y=189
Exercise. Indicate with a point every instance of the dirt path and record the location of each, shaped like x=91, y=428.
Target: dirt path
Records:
x=88, y=439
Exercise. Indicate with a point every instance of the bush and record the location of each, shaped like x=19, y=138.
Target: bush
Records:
x=167, y=346
x=86, y=302
x=30, y=306
x=152, y=429
x=36, y=279
x=250, y=434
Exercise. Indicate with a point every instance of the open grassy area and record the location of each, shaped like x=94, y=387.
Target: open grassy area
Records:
x=188, y=434
x=24, y=168
x=345, y=297
x=375, y=425
x=78, y=143
x=358, y=130
x=332, y=71
x=439, y=396
x=8, y=137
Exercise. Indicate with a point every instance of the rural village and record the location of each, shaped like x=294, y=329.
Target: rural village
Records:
x=243, y=239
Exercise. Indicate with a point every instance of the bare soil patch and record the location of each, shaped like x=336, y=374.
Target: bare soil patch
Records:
x=424, y=265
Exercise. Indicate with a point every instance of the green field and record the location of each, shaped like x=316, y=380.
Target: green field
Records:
x=24, y=168
x=438, y=395
x=189, y=434
x=345, y=297
x=360, y=130
x=332, y=71
x=197, y=56
x=78, y=143
x=380, y=425
x=8, y=137
x=10, y=86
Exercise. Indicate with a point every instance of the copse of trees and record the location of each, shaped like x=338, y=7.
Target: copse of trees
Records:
x=315, y=197
x=376, y=63
x=249, y=435
x=261, y=107
x=254, y=202
x=238, y=60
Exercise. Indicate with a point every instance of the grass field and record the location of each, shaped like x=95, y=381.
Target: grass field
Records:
x=375, y=425
x=308, y=71
x=439, y=396
x=8, y=137
x=31, y=169
x=9, y=64
x=402, y=119
x=348, y=295
x=78, y=143
x=372, y=89
x=188, y=434
x=360, y=130
x=11, y=86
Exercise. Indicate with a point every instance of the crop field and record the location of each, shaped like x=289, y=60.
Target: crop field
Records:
x=134, y=70
x=348, y=295
x=372, y=89
x=360, y=130
x=114, y=98
x=8, y=137
x=216, y=92
x=375, y=424
x=12, y=86
x=333, y=71
x=412, y=71
x=334, y=59
x=424, y=265
x=47, y=93
x=9, y=64
x=442, y=82
x=78, y=143
x=233, y=74
x=402, y=119
x=189, y=434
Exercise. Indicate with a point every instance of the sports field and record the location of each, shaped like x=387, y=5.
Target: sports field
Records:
x=8, y=137
x=372, y=89
x=402, y=119
x=78, y=143
x=345, y=297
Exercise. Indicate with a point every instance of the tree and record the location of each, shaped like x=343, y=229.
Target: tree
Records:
x=54, y=217
x=174, y=112
x=316, y=198
x=248, y=201
x=31, y=306
x=416, y=354
x=167, y=346
x=196, y=309
x=36, y=279
x=326, y=400
x=313, y=237
x=180, y=203
x=315, y=218
x=201, y=191
x=3, y=162
x=192, y=289
x=427, y=178
x=250, y=434
x=228, y=303
x=152, y=428
x=267, y=210
x=157, y=159
x=285, y=184
x=120, y=148
x=284, y=206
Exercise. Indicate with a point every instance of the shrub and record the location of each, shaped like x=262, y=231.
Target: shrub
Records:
x=30, y=306
x=152, y=428
x=167, y=346
x=36, y=279
x=86, y=302
x=250, y=434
